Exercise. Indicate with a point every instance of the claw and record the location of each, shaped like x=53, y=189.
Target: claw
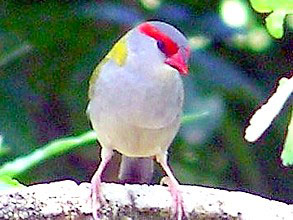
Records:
x=178, y=208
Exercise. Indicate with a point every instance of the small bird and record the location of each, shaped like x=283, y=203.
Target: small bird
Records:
x=135, y=104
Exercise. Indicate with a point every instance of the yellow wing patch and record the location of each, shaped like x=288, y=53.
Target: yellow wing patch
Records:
x=118, y=54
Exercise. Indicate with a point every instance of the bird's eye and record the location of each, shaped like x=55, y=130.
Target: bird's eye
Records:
x=161, y=46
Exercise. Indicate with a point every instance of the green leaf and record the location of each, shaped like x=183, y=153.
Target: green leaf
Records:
x=279, y=9
x=52, y=149
x=7, y=182
x=188, y=118
x=287, y=153
x=266, y=6
x=262, y=6
x=274, y=23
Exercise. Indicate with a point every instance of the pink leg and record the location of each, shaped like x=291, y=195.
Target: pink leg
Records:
x=178, y=208
x=97, y=197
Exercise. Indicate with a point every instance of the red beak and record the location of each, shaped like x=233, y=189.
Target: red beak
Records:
x=178, y=63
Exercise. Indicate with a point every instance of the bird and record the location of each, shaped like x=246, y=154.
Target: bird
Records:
x=135, y=105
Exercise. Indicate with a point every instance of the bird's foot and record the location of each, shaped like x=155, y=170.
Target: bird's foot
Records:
x=97, y=199
x=178, y=208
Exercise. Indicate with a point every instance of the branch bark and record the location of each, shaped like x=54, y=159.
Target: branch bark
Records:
x=67, y=200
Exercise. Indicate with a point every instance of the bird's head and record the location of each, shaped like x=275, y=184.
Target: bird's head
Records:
x=155, y=40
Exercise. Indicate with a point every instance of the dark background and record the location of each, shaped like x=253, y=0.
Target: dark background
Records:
x=49, y=49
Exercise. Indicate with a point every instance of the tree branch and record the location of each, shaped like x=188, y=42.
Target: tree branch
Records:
x=67, y=200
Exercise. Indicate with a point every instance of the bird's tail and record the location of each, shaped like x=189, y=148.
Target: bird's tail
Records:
x=136, y=169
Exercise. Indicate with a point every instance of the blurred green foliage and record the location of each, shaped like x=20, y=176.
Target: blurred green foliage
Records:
x=49, y=49
x=278, y=10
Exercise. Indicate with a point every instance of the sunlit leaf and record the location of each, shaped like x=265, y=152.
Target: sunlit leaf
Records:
x=50, y=150
x=279, y=9
x=262, y=6
x=7, y=182
x=274, y=23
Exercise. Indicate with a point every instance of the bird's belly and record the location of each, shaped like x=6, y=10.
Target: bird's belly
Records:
x=140, y=142
x=135, y=141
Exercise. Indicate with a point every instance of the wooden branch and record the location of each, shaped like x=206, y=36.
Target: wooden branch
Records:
x=67, y=200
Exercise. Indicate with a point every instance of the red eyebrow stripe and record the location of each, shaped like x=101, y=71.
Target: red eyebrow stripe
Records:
x=150, y=30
